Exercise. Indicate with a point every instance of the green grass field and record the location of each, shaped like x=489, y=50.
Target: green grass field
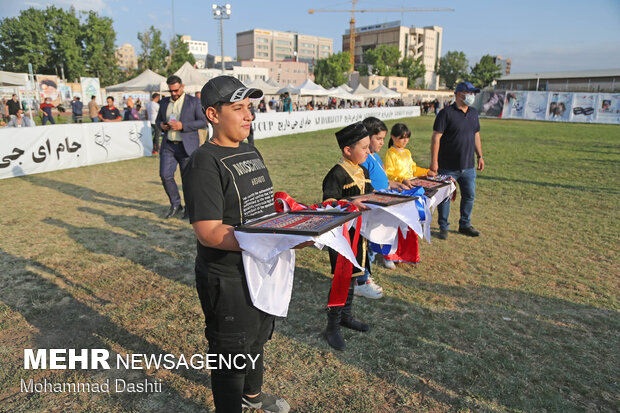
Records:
x=523, y=318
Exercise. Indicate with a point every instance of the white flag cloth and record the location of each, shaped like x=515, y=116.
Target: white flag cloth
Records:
x=269, y=264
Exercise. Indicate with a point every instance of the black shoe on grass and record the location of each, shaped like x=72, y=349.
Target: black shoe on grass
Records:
x=266, y=402
x=469, y=231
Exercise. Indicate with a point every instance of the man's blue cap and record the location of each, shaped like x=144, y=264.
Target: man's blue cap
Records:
x=466, y=87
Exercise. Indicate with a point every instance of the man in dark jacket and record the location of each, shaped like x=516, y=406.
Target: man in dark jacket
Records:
x=180, y=117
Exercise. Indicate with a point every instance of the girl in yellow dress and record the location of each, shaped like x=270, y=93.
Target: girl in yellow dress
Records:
x=399, y=164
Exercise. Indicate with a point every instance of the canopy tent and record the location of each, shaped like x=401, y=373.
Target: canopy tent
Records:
x=310, y=88
x=360, y=90
x=341, y=93
x=147, y=81
x=292, y=90
x=346, y=87
x=191, y=78
x=13, y=79
x=264, y=86
x=384, y=92
x=274, y=83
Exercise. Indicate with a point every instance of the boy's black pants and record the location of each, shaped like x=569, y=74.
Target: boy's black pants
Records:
x=233, y=326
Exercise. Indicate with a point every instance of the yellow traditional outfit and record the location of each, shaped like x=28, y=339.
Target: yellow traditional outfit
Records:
x=399, y=165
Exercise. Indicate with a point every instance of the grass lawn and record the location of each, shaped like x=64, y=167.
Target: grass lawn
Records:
x=523, y=318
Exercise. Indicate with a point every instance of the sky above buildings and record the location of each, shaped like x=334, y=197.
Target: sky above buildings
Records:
x=537, y=35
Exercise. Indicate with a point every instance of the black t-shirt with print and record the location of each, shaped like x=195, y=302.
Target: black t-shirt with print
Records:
x=228, y=184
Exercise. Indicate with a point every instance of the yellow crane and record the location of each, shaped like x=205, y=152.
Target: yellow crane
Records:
x=352, y=22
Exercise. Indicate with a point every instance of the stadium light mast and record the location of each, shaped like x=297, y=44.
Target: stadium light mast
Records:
x=220, y=13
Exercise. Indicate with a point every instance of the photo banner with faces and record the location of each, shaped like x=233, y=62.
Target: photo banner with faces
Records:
x=608, y=108
x=536, y=106
x=559, y=106
x=49, y=87
x=514, y=105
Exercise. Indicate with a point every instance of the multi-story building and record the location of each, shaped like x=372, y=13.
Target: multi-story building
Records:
x=396, y=83
x=276, y=46
x=126, y=56
x=215, y=62
x=504, y=64
x=294, y=73
x=199, y=49
x=414, y=42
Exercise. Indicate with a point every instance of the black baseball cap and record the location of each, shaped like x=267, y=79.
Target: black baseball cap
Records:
x=226, y=89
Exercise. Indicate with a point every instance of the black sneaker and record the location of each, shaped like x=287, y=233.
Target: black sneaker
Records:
x=469, y=231
x=266, y=402
x=443, y=234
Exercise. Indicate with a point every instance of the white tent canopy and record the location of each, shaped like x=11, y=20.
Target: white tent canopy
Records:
x=341, y=93
x=360, y=90
x=292, y=90
x=147, y=81
x=273, y=82
x=264, y=86
x=346, y=87
x=384, y=92
x=191, y=78
x=310, y=88
x=13, y=79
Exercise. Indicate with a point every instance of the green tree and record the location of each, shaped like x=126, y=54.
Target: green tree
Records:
x=23, y=40
x=412, y=69
x=383, y=59
x=99, y=37
x=154, y=51
x=332, y=71
x=484, y=72
x=64, y=34
x=452, y=68
x=179, y=54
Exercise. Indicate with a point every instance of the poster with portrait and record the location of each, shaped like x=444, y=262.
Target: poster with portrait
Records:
x=608, y=108
x=65, y=93
x=584, y=107
x=492, y=103
x=90, y=87
x=536, y=106
x=559, y=106
x=49, y=88
x=514, y=105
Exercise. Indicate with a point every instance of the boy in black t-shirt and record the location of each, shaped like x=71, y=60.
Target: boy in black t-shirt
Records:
x=225, y=184
x=348, y=178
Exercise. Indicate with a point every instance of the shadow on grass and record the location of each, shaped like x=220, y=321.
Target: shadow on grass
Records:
x=593, y=188
x=498, y=349
x=90, y=195
x=164, y=251
x=62, y=321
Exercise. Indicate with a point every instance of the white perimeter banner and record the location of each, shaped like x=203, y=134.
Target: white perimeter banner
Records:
x=25, y=151
x=272, y=124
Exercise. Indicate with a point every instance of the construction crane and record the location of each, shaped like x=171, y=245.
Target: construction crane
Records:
x=352, y=22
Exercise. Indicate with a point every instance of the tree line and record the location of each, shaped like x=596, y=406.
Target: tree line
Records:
x=57, y=41
x=387, y=61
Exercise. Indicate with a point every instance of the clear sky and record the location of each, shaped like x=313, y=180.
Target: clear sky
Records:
x=537, y=35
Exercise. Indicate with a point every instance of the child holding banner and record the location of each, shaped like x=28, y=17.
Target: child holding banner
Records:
x=347, y=178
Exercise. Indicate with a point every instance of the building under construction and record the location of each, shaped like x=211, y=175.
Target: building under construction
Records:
x=411, y=41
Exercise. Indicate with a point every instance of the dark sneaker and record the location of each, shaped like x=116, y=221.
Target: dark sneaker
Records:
x=443, y=234
x=469, y=231
x=266, y=402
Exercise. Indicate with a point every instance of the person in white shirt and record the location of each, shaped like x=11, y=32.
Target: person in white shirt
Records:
x=151, y=112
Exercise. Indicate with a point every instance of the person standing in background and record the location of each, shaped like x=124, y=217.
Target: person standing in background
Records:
x=151, y=113
x=93, y=109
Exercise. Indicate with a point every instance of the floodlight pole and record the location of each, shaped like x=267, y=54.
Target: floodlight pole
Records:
x=220, y=13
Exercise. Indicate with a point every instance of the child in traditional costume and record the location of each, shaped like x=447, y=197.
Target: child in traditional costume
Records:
x=347, y=178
